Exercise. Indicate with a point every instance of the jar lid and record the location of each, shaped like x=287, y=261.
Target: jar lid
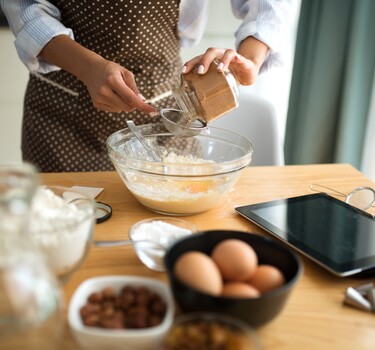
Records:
x=103, y=212
x=175, y=121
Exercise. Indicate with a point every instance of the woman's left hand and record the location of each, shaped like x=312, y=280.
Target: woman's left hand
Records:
x=244, y=63
x=245, y=70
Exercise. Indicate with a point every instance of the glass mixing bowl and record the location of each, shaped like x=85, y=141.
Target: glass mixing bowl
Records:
x=194, y=172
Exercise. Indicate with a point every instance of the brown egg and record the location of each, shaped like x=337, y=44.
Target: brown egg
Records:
x=236, y=260
x=198, y=271
x=267, y=278
x=239, y=290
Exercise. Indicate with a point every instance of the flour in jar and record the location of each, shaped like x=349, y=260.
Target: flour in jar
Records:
x=61, y=229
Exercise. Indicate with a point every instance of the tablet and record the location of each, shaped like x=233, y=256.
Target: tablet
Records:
x=334, y=234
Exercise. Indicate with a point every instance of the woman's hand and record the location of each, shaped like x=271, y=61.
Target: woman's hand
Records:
x=113, y=89
x=244, y=64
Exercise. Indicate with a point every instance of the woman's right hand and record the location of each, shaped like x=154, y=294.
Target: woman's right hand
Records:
x=113, y=89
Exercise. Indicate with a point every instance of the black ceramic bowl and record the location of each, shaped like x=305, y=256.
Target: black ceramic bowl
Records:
x=255, y=311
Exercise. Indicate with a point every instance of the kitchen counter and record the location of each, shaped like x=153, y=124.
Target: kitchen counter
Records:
x=314, y=316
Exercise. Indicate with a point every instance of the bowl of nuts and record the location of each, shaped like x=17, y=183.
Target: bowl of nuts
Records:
x=121, y=312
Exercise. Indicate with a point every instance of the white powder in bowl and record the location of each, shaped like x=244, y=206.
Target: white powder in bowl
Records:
x=144, y=236
x=173, y=158
x=61, y=229
x=159, y=232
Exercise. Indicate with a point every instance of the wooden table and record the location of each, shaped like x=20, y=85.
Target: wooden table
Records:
x=314, y=317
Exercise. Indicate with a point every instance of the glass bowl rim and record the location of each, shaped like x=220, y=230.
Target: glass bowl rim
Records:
x=152, y=168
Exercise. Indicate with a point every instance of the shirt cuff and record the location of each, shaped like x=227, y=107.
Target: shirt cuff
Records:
x=266, y=35
x=267, y=23
x=33, y=37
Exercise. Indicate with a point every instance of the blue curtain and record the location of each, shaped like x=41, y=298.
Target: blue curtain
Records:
x=331, y=83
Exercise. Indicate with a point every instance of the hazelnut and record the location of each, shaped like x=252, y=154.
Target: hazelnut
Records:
x=131, y=308
x=91, y=320
x=108, y=293
x=95, y=297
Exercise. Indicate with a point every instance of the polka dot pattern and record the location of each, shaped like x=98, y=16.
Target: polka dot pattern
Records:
x=62, y=131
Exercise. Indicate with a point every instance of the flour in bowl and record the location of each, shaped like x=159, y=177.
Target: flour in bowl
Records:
x=61, y=229
x=174, y=158
x=159, y=232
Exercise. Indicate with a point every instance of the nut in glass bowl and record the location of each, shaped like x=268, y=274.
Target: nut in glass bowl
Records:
x=62, y=223
x=204, y=330
x=194, y=172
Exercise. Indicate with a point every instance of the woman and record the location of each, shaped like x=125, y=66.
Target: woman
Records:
x=93, y=64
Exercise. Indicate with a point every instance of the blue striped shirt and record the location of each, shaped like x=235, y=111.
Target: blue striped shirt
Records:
x=35, y=22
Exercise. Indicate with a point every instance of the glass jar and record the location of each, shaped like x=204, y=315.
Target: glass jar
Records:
x=208, y=96
x=31, y=307
x=17, y=187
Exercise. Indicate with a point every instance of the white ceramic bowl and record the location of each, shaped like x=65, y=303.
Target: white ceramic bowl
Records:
x=194, y=172
x=125, y=339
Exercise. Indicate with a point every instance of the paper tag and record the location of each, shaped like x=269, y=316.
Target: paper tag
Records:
x=91, y=192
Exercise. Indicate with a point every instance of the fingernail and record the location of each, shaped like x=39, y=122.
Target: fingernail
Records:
x=153, y=114
x=220, y=66
x=201, y=69
x=183, y=70
x=141, y=97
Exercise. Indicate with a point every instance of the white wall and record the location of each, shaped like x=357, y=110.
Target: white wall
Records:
x=273, y=85
x=13, y=79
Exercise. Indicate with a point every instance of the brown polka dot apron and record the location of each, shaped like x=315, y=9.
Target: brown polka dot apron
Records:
x=61, y=130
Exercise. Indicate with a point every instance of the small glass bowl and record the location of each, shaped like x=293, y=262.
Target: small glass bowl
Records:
x=152, y=237
x=210, y=330
x=62, y=224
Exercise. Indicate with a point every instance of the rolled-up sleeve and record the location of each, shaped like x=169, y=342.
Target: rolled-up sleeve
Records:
x=192, y=21
x=266, y=20
x=34, y=24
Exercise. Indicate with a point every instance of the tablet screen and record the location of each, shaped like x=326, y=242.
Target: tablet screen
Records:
x=338, y=236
